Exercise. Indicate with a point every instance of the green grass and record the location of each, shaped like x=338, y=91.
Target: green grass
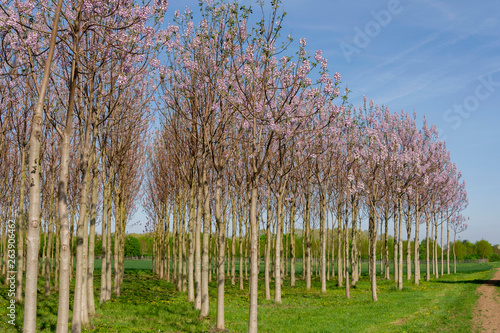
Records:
x=148, y=304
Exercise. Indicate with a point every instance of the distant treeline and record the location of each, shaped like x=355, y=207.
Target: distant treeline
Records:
x=137, y=245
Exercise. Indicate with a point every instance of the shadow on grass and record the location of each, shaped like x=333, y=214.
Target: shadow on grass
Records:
x=476, y=281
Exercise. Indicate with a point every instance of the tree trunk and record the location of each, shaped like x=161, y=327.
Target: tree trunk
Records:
x=267, y=259
x=191, y=227
x=105, y=246
x=323, y=241
x=387, y=275
x=48, y=262
x=56, y=256
x=20, y=230
x=205, y=268
x=278, y=247
x=395, y=245
x=454, y=255
x=346, y=254
x=292, y=242
x=240, y=217
x=435, y=254
x=91, y=256
x=221, y=256
x=33, y=236
x=372, y=230
x=427, y=268
x=442, y=253
x=108, y=240
x=307, y=239
x=80, y=314
x=408, y=245
x=197, y=247
x=340, y=271
x=254, y=265
x=448, y=246
x=400, y=244
x=116, y=252
x=417, y=245
x=333, y=248
x=65, y=253
x=233, y=242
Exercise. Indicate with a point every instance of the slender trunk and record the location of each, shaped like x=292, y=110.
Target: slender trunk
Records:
x=56, y=256
x=205, y=268
x=33, y=235
x=454, y=254
x=267, y=259
x=48, y=262
x=44, y=249
x=416, y=245
x=108, y=239
x=354, y=251
x=105, y=246
x=382, y=244
x=372, y=230
x=427, y=268
x=197, y=247
x=307, y=240
x=116, y=252
x=323, y=241
x=395, y=245
x=80, y=313
x=93, y=217
x=448, y=246
x=333, y=248
x=191, y=227
x=240, y=217
x=435, y=255
x=346, y=254
x=340, y=272
x=387, y=275
x=408, y=245
x=221, y=256
x=66, y=255
x=400, y=244
x=20, y=231
x=442, y=253
x=254, y=265
x=233, y=243
x=180, y=241
x=278, y=247
x=121, y=262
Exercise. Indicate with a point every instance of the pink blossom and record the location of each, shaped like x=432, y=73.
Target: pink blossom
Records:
x=318, y=56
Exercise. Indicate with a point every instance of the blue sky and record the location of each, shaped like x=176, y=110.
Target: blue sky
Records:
x=438, y=58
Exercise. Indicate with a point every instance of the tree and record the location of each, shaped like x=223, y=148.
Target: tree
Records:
x=484, y=249
x=132, y=247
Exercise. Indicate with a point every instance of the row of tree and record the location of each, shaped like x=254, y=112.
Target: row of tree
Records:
x=74, y=114
x=253, y=140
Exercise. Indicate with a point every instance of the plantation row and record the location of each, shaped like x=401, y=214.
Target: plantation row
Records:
x=253, y=139
x=249, y=145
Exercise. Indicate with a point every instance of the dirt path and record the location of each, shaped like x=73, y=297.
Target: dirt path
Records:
x=487, y=313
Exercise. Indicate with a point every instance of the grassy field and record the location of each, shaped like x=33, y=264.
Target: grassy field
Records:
x=151, y=305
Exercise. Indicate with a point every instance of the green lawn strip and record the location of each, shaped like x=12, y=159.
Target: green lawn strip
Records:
x=444, y=305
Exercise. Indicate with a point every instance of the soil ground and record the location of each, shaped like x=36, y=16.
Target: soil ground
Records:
x=487, y=313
